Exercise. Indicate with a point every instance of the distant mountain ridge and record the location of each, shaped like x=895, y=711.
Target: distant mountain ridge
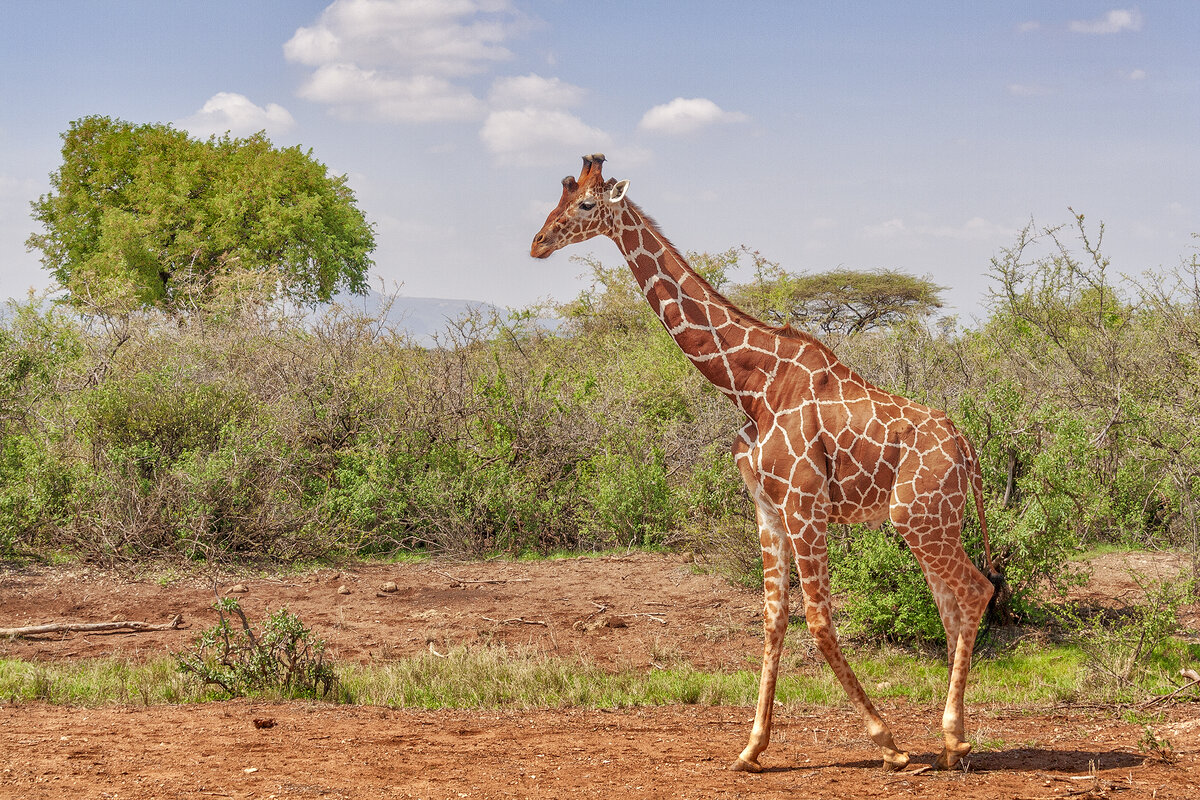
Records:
x=420, y=316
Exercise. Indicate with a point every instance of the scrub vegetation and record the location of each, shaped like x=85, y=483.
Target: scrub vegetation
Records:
x=196, y=416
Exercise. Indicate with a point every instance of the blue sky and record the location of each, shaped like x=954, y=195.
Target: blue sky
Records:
x=918, y=136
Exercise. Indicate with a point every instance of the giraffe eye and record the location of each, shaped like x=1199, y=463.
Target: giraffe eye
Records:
x=587, y=205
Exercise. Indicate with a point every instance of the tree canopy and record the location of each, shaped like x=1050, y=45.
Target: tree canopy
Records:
x=841, y=301
x=149, y=210
x=850, y=301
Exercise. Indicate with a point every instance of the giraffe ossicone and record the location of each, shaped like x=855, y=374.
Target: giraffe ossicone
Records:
x=820, y=445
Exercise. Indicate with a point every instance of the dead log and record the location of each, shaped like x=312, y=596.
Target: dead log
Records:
x=132, y=626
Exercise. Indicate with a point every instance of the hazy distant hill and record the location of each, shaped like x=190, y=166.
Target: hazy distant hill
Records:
x=420, y=316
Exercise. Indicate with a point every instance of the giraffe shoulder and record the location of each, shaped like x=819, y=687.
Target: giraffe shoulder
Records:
x=788, y=332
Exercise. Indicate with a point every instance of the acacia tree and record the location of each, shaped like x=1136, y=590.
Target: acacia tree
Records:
x=840, y=301
x=147, y=210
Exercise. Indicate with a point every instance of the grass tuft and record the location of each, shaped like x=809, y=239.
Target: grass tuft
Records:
x=496, y=677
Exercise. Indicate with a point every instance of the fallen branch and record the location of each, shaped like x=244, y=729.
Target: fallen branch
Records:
x=1194, y=680
x=519, y=620
x=89, y=627
x=493, y=580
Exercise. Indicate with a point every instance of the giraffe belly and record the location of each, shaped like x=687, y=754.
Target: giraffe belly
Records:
x=859, y=500
x=871, y=517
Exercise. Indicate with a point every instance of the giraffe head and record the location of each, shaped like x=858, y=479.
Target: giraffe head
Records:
x=587, y=208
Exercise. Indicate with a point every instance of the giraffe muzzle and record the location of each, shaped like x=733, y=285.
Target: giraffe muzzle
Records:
x=541, y=247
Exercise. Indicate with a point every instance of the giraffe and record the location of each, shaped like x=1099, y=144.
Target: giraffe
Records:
x=820, y=445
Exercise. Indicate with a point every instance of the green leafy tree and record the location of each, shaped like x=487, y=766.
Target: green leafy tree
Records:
x=613, y=302
x=148, y=211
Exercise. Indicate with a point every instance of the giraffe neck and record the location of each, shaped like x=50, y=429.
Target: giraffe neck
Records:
x=736, y=352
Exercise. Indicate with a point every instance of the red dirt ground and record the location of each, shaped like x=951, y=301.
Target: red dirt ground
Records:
x=668, y=610
x=318, y=750
x=321, y=751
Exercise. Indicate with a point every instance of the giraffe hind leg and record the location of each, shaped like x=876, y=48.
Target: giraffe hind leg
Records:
x=962, y=594
x=950, y=609
x=973, y=591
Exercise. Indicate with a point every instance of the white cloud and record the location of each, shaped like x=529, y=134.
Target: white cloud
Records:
x=1115, y=21
x=529, y=123
x=394, y=59
x=312, y=46
x=1029, y=27
x=440, y=37
x=682, y=116
x=975, y=229
x=534, y=91
x=353, y=92
x=539, y=136
x=1135, y=75
x=886, y=229
x=1028, y=90
x=235, y=113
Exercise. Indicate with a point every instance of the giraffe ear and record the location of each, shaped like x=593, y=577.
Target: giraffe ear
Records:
x=617, y=192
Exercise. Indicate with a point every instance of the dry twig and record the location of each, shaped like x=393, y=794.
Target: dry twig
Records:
x=649, y=615
x=1193, y=680
x=493, y=580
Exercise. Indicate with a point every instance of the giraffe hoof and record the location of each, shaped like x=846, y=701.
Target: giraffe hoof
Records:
x=951, y=754
x=742, y=765
x=894, y=762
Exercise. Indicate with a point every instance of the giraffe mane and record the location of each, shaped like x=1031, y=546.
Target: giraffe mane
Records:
x=785, y=331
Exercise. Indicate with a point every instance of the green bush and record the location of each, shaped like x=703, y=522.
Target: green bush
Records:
x=284, y=658
x=627, y=496
x=1129, y=649
x=886, y=595
x=148, y=420
x=35, y=486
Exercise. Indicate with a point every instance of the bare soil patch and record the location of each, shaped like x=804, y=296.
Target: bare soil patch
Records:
x=321, y=751
x=621, y=612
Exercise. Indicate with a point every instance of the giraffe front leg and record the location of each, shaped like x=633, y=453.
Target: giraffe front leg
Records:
x=776, y=563
x=820, y=625
x=812, y=559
